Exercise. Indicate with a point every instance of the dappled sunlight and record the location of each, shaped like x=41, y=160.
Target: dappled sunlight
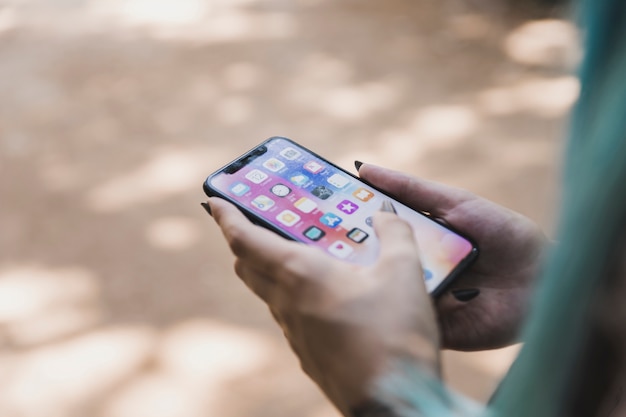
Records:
x=159, y=395
x=325, y=85
x=444, y=126
x=242, y=76
x=150, y=12
x=347, y=102
x=37, y=305
x=234, y=110
x=396, y=147
x=8, y=19
x=64, y=377
x=428, y=129
x=195, y=20
x=193, y=362
x=357, y=103
x=59, y=174
x=522, y=152
x=470, y=26
x=211, y=352
x=544, y=42
x=542, y=97
x=179, y=371
x=168, y=172
x=173, y=233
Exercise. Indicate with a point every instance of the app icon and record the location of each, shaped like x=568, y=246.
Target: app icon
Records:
x=338, y=181
x=290, y=153
x=239, y=189
x=330, y=220
x=274, y=164
x=313, y=167
x=305, y=205
x=263, y=203
x=340, y=249
x=314, y=233
x=256, y=176
x=369, y=221
x=322, y=192
x=288, y=218
x=363, y=194
x=357, y=235
x=428, y=275
x=347, y=207
x=280, y=190
x=299, y=179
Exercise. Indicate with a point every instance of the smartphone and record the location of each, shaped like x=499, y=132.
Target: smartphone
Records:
x=289, y=189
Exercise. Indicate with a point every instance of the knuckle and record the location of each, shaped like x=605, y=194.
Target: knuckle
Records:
x=240, y=268
x=299, y=280
x=295, y=263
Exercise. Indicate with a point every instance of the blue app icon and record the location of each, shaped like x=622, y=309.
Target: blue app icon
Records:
x=314, y=233
x=428, y=275
x=331, y=220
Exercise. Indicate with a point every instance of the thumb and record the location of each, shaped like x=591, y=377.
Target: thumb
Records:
x=398, y=247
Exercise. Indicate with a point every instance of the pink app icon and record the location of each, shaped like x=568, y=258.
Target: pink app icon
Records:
x=313, y=167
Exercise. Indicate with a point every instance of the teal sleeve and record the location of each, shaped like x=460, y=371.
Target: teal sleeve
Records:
x=409, y=391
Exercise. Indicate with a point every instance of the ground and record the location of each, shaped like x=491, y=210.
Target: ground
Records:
x=117, y=295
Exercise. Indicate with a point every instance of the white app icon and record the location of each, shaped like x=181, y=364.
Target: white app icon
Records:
x=340, y=249
x=288, y=218
x=280, y=190
x=256, y=176
x=305, y=205
x=273, y=164
x=263, y=203
x=338, y=181
x=290, y=153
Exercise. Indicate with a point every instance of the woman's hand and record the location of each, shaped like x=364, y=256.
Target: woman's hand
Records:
x=346, y=323
x=486, y=305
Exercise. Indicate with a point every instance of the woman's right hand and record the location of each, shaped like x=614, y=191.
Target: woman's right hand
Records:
x=485, y=306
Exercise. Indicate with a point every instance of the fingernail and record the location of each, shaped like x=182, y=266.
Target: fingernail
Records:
x=357, y=165
x=207, y=208
x=388, y=207
x=465, y=295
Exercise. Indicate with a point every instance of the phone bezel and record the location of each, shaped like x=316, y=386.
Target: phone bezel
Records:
x=258, y=220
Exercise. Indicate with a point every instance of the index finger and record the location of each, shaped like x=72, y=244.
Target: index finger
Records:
x=420, y=194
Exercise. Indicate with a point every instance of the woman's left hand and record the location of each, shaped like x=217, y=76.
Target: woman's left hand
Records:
x=346, y=323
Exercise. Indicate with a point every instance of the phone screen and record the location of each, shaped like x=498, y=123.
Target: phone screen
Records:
x=308, y=199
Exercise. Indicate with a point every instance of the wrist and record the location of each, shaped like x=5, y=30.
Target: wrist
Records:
x=372, y=408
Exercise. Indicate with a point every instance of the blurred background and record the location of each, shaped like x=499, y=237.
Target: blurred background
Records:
x=117, y=295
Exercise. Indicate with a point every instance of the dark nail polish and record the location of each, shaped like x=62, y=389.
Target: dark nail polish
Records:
x=388, y=207
x=207, y=208
x=465, y=295
x=357, y=165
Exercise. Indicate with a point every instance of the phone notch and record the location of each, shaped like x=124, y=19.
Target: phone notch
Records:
x=240, y=163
